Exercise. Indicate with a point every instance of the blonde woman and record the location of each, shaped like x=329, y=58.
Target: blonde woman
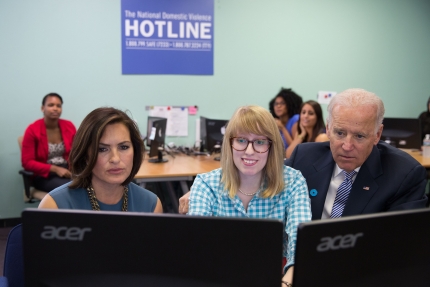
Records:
x=253, y=181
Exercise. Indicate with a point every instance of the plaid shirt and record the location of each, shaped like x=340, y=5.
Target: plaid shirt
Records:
x=291, y=206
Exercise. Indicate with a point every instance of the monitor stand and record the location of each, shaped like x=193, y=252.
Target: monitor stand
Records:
x=216, y=149
x=159, y=159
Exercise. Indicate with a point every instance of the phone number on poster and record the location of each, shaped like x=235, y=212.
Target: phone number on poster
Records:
x=183, y=45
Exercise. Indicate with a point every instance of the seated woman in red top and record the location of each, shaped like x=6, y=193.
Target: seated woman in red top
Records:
x=46, y=146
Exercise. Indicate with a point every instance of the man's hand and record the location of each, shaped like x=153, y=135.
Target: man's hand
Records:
x=183, y=203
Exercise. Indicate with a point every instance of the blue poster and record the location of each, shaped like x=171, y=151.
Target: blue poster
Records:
x=167, y=37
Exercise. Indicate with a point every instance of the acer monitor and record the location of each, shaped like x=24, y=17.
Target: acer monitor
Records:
x=383, y=249
x=156, y=134
x=88, y=248
x=402, y=132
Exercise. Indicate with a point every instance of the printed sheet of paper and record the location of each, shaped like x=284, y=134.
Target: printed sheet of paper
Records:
x=324, y=97
x=177, y=119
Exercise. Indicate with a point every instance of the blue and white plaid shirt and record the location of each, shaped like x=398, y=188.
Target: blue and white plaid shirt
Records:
x=292, y=206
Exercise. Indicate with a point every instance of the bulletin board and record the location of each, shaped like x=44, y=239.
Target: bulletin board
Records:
x=177, y=118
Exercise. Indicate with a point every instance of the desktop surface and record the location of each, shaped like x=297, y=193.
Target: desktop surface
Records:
x=87, y=248
x=418, y=156
x=384, y=249
x=180, y=165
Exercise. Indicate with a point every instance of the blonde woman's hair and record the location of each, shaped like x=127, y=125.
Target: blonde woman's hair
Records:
x=259, y=121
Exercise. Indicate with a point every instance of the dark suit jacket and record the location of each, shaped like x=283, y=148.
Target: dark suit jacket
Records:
x=389, y=179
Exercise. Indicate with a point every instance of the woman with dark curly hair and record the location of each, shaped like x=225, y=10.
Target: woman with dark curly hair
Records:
x=285, y=108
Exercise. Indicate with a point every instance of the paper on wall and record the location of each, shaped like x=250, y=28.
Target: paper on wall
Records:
x=177, y=119
x=324, y=97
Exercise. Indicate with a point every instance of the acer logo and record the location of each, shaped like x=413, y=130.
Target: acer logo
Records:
x=338, y=242
x=64, y=233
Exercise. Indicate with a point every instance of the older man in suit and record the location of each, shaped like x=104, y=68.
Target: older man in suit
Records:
x=380, y=177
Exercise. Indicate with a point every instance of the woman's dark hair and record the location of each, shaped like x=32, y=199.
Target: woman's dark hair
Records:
x=84, y=153
x=319, y=125
x=292, y=100
x=51, y=95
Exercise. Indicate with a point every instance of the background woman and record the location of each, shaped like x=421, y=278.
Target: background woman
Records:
x=425, y=120
x=46, y=146
x=285, y=108
x=253, y=181
x=106, y=155
x=311, y=126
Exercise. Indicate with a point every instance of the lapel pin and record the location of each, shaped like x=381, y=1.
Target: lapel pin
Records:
x=366, y=188
x=313, y=192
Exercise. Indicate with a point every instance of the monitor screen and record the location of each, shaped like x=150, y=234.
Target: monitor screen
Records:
x=156, y=134
x=202, y=134
x=383, y=249
x=212, y=133
x=87, y=248
x=402, y=132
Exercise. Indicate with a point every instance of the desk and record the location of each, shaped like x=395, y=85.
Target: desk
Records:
x=181, y=168
x=424, y=161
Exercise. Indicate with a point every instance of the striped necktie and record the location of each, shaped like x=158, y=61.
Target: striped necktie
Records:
x=342, y=194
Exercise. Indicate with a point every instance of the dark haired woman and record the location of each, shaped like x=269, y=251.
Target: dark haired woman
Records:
x=106, y=155
x=285, y=108
x=46, y=146
x=425, y=120
x=311, y=126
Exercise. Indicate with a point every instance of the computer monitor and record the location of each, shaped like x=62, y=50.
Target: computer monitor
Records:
x=383, y=249
x=87, y=248
x=156, y=134
x=203, y=134
x=402, y=132
x=212, y=133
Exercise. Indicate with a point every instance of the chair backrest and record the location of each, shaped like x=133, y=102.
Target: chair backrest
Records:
x=13, y=268
x=29, y=192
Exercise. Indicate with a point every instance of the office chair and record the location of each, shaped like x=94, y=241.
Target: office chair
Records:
x=30, y=193
x=13, y=268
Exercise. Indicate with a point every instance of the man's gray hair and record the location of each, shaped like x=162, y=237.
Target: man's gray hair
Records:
x=353, y=98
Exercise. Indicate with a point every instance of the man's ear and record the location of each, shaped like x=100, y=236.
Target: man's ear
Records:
x=379, y=134
x=327, y=130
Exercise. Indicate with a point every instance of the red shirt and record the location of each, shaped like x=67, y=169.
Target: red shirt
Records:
x=34, y=154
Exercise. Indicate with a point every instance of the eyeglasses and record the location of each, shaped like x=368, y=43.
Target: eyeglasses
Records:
x=279, y=104
x=259, y=145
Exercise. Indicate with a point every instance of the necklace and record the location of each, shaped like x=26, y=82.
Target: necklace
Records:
x=95, y=205
x=248, y=194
